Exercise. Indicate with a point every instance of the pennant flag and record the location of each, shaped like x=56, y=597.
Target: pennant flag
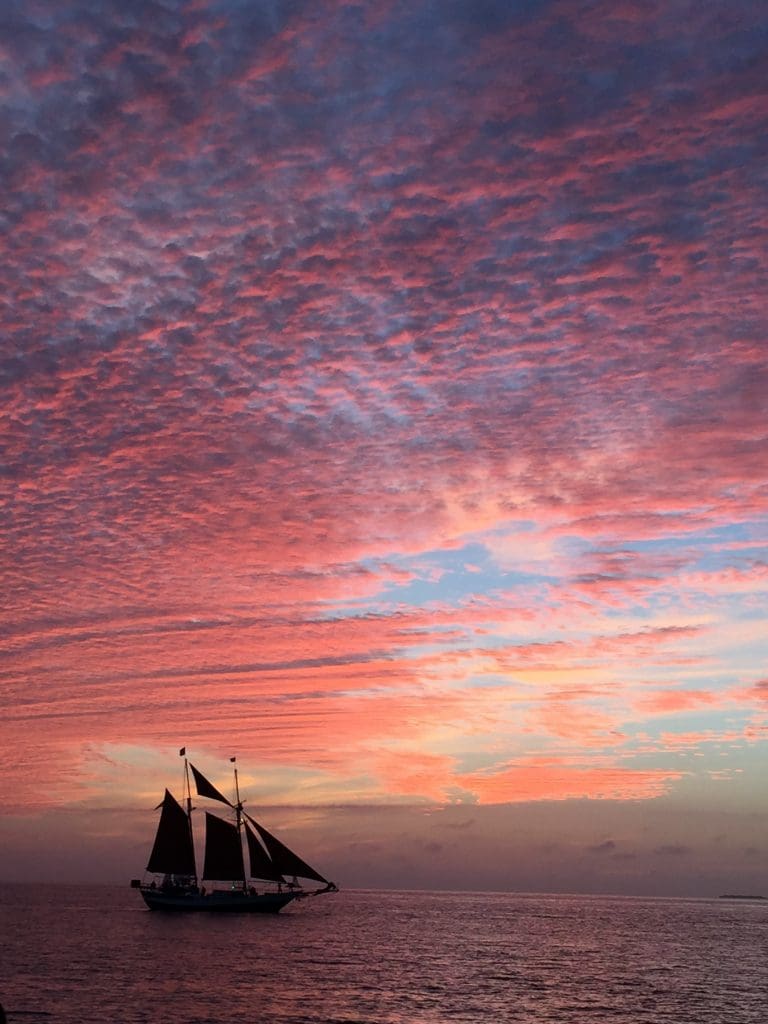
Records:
x=233, y=759
x=182, y=752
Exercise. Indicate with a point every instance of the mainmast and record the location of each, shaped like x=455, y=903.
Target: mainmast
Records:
x=182, y=753
x=239, y=816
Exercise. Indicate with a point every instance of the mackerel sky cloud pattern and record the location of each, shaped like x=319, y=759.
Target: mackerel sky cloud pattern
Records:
x=384, y=393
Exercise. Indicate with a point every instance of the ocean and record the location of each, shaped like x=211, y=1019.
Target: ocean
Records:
x=76, y=955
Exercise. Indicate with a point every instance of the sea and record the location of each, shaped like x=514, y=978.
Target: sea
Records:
x=76, y=955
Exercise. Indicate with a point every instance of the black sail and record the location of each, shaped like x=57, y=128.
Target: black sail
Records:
x=173, y=852
x=285, y=860
x=223, y=850
x=206, y=788
x=261, y=865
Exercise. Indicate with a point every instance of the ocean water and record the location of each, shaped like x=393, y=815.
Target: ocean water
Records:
x=75, y=955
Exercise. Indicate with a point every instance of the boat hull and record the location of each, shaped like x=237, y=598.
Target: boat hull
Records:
x=217, y=902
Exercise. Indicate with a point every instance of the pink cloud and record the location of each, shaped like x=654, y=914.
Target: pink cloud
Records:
x=671, y=701
x=543, y=780
x=287, y=326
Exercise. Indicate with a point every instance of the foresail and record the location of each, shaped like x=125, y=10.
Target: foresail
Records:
x=261, y=864
x=285, y=860
x=206, y=788
x=173, y=852
x=223, y=850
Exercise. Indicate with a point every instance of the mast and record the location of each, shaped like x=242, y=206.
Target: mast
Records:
x=269, y=858
x=239, y=818
x=182, y=753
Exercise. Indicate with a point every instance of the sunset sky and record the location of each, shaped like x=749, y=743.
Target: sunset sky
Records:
x=385, y=402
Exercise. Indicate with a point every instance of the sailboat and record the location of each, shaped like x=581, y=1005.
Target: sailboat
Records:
x=264, y=884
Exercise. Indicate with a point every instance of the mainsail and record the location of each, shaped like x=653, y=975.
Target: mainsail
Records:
x=223, y=850
x=173, y=852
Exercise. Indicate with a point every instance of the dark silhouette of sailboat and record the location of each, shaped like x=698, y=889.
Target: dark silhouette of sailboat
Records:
x=264, y=883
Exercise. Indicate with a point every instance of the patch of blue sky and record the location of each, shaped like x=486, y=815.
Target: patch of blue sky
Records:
x=754, y=614
x=687, y=761
x=711, y=546
x=713, y=725
x=454, y=576
x=717, y=557
x=746, y=659
x=438, y=578
x=494, y=680
x=457, y=641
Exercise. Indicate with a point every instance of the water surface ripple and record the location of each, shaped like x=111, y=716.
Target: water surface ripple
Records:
x=75, y=955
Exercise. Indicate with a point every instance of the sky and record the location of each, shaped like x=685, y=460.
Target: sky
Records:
x=384, y=392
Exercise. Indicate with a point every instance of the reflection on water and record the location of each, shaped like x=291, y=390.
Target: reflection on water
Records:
x=75, y=955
